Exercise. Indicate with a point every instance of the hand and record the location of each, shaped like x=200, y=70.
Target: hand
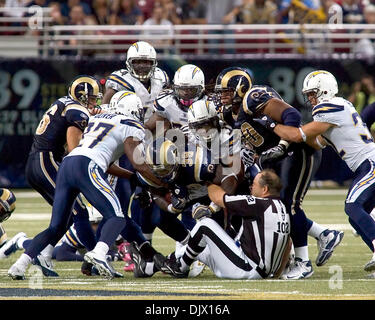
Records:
x=272, y=154
x=247, y=157
x=179, y=197
x=200, y=211
x=144, y=197
x=267, y=122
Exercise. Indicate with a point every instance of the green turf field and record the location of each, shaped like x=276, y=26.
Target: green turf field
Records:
x=342, y=277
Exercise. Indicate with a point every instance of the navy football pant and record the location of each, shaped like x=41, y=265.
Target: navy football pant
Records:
x=360, y=201
x=80, y=174
x=41, y=174
x=297, y=171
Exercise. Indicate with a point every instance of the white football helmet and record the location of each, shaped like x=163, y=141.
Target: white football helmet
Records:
x=128, y=104
x=188, y=84
x=323, y=83
x=141, y=60
x=204, y=120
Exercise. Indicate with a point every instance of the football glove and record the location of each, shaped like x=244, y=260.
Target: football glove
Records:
x=267, y=122
x=247, y=157
x=273, y=154
x=179, y=197
x=200, y=211
x=144, y=197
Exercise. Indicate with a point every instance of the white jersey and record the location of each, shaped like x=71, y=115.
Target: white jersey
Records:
x=123, y=80
x=103, y=139
x=167, y=106
x=349, y=137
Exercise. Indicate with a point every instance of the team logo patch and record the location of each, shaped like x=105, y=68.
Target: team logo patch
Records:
x=250, y=199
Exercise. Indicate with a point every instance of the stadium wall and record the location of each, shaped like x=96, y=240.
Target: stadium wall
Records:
x=29, y=86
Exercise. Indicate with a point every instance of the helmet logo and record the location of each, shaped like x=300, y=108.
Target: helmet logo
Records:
x=196, y=69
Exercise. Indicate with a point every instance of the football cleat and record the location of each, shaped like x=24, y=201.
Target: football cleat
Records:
x=196, y=269
x=370, y=266
x=16, y=273
x=171, y=267
x=11, y=246
x=327, y=242
x=103, y=265
x=139, y=262
x=299, y=270
x=46, y=266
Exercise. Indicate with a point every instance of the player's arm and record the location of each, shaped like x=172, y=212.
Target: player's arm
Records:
x=73, y=136
x=307, y=133
x=275, y=109
x=216, y=194
x=136, y=158
x=117, y=171
x=109, y=92
x=151, y=123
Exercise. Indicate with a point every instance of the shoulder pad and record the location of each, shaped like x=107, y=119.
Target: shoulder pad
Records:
x=121, y=78
x=257, y=97
x=163, y=100
x=161, y=75
x=325, y=107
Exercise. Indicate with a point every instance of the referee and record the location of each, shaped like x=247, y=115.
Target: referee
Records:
x=261, y=247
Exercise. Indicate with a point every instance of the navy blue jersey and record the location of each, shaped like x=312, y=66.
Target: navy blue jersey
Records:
x=368, y=115
x=51, y=132
x=252, y=132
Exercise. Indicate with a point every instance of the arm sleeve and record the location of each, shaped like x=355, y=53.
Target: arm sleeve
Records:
x=77, y=117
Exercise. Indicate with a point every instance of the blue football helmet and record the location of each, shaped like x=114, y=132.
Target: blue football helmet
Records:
x=236, y=80
x=84, y=87
x=162, y=158
x=7, y=203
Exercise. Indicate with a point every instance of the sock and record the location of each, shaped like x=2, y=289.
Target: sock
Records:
x=47, y=252
x=101, y=248
x=21, y=241
x=184, y=265
x=23, y=261
x=315, y=230
x=147, y=251
x=302, y=253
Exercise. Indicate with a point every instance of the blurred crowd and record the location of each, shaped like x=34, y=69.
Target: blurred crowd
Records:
x=172, y=12
x=168, y=13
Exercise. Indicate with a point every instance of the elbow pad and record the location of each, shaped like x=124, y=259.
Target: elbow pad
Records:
x=291, y=117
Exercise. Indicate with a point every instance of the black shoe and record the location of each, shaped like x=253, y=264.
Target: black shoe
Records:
x=139, y=262
x=168, y=266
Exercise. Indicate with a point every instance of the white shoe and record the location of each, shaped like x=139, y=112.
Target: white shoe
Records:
x=299, y=270
x=327, y=242
x=16, y=273
x=196, y=269
x=104, y=267
x=11, y=246
x=45, y=265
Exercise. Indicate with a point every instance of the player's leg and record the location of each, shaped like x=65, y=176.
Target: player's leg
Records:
x=99, y=193
x=358, y=202
x=65, y=195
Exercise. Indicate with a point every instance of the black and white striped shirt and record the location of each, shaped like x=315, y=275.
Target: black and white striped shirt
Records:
x=264, y=230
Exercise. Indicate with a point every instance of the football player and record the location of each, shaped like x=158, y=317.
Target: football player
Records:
x=107, y=137
x=141, y=76
x=336, y=123
x=171, y=105
x=296, y=170
x=62, y=125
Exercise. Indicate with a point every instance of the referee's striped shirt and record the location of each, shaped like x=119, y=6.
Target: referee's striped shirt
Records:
x=264, y=231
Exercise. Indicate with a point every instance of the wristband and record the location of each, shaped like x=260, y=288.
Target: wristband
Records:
x=318, y=143
x=171, y=209
x=284, y=143
x=214, y=207
x=302, y=134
